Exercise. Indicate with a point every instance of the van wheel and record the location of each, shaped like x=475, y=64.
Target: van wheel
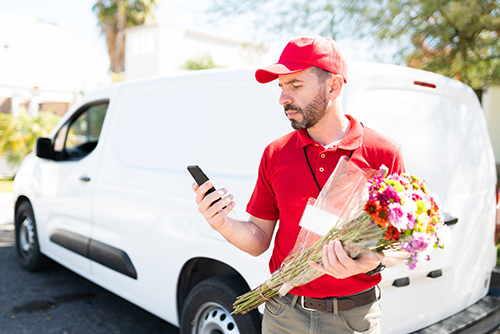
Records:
x=207, y=309
x=27, y=247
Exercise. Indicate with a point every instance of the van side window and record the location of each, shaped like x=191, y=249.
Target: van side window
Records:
x=80, y=135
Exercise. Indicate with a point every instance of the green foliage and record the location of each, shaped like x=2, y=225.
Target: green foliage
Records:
x=114, y=16
x=6, y=185
x=19, y=133
x=498, y=255
x=201, y=63
x=118, y=77
x=135, y=12
x=456, y=38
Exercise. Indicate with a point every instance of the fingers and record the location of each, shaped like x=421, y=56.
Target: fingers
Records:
x=214, y=206
x=214, y=203
x=317, y=267
x=202, y=190
x=341, y=254
x=331, y=263
x=335, y=260
x=338, y=264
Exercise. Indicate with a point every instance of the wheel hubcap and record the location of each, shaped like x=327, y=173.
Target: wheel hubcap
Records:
x=213, y=318
x=26, y=237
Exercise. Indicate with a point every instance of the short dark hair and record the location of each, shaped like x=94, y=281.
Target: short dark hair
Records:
x=321, y=73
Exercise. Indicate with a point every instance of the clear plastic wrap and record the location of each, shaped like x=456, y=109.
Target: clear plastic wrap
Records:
x=369, y=213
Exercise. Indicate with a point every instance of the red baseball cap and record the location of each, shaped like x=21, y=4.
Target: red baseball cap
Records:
x=304, y=52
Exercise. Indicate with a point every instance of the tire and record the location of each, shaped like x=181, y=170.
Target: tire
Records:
x=28, y=252
x=208, y=306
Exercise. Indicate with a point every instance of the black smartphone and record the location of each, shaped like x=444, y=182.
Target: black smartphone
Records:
x=200, y=178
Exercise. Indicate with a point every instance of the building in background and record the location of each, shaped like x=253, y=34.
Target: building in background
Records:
x=152, y=50
x=41, y=66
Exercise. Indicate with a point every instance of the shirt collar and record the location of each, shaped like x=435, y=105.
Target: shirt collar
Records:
x=352, y=140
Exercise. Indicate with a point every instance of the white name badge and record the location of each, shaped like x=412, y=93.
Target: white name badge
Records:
x=317, y=220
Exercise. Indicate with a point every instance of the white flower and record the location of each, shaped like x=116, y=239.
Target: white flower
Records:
x=444, y=235
x=430, y=247
x=410, y=205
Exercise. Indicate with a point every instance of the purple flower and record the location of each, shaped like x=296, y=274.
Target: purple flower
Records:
x=420, y=241
x=400, y=179
x=383, y=170
x=412, y=263
x=407, y=247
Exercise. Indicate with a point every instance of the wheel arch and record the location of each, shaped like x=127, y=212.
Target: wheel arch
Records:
x=21, y=199
x=199, y=269
x=31, y=259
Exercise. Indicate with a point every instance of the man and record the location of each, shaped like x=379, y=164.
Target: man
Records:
x=312, y=73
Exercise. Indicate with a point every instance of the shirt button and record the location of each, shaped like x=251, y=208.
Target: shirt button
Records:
x=321, y=169
x=323, y=155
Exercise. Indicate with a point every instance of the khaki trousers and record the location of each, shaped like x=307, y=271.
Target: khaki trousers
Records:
x=285, y=316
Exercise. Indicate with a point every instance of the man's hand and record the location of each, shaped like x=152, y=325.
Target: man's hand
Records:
x=338, y=264
x=252, y=236
x=214, y=214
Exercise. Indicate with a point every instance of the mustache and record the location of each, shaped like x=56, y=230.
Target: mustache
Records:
x=292, y=107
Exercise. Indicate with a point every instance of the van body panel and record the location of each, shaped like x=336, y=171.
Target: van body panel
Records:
x=443, y=125
x=140, y=203
x=61, y=199
x=143, y=196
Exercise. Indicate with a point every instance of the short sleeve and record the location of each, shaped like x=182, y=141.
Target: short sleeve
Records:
x=263, y=203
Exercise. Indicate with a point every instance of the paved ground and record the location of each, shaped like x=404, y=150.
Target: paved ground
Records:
x=59, y=301
x=6, y=210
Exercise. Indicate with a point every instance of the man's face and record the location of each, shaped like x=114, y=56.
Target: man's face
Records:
x=304, y=98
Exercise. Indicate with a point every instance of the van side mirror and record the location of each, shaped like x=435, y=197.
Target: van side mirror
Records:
x=44, y=148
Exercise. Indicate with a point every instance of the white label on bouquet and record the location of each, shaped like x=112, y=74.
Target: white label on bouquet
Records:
x=317, y=220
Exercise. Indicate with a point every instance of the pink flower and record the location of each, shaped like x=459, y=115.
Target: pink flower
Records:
x=411, y=220
x=389, y=195
x=420, y=241
x=397, y=216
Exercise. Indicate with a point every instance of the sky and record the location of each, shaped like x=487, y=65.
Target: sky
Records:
x=76, y=17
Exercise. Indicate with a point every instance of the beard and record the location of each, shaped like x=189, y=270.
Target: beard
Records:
x=311, y=113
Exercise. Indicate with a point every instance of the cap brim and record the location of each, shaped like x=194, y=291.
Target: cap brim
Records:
x=270, y=73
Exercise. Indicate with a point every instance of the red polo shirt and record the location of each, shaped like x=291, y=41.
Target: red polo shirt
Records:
x=285, y=183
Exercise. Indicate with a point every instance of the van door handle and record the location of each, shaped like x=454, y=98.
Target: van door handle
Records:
x=449, y=220
x=84, y=178
x=401, y=282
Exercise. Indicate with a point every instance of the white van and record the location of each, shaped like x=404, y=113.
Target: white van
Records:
x=108, y=194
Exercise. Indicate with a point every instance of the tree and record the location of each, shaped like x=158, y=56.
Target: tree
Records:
x=18, y=133
x=117, y=15
x=200, y=63
x=459, y=39
x=456, y=38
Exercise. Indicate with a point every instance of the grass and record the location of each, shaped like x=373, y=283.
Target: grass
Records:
x=6, y=185
x=498, y=255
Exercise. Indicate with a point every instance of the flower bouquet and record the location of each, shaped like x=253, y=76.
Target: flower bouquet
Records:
x=371, y=213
